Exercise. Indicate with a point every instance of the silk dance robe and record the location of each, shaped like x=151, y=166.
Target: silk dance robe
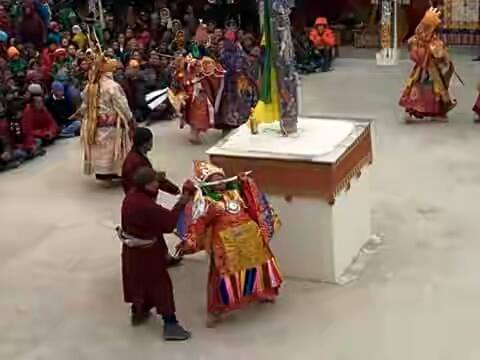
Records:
x=426, y=93
x=235, y=228
x=106, y=139
x=197, y=92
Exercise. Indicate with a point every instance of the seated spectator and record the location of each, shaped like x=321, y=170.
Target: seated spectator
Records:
x=79, y=38
x=61, y=110
x=9, y=156
x=48, y=59
x=5, y=23
x=107, y=38
x=31, y=28
x=72, y=53
x=62, y=62
x=36, y=120
x=54, y=32
x=323, y=42
x=16, y=64
x=21, y=134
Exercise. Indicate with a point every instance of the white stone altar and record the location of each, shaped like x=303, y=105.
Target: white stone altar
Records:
x=319, y=182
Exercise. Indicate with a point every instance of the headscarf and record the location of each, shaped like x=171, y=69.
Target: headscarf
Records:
x=57, y=86
x=12, y=52
x=54, y=26
x=76, y=29
x=35, y=90
x=60, y=52
x=3, y=36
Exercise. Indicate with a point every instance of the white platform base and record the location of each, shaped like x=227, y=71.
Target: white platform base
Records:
x=317, y=241
x=387, y=57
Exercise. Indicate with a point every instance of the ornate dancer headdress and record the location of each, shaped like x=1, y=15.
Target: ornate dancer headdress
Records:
x=99, y=66
x=431, y=20
x=203, y=170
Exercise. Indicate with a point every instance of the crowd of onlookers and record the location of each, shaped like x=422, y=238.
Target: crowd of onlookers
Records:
x=44, y=63
x=45, y=58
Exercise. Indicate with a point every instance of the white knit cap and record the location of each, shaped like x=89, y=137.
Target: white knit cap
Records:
x=76, y=29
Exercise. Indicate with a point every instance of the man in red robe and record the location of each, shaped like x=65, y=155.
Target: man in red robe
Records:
x=137, y=159
x=146, y=282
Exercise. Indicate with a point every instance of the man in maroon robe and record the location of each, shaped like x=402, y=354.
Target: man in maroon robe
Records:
x=137, y=159
x=146, y=282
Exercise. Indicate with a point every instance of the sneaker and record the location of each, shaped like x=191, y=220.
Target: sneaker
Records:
x=175, y=332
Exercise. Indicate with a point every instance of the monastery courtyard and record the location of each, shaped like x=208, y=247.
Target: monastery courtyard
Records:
x=417, y=297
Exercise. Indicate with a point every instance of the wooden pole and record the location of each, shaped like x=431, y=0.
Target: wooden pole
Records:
x=395, y=25
x=102, y=17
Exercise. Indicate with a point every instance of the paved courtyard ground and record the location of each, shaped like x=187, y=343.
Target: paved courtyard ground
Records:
x=418, y=298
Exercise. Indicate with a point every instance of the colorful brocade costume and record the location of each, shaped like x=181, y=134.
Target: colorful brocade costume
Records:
x=427, y=89
x=197, y=91
x=107, y=123
x=235, y=227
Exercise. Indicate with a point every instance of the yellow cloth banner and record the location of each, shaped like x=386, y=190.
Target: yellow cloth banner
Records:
x=269, y=113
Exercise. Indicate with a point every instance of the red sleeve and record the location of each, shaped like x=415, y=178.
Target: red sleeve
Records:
x=328, y=38
x=314, y=37
x=44, y=125
x=163, y=220
x=196, y=237
x=417, y=55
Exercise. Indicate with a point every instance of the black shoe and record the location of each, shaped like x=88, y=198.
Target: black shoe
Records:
x=138, y=318
x=476, y=59
x=175, y=332
x=174, y=261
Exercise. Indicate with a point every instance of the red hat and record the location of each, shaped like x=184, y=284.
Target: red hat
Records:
x=321, y=21
x=60, y=52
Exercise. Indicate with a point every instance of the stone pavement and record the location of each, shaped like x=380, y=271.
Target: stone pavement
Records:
x=418, y=298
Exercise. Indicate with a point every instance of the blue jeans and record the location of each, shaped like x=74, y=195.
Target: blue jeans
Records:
x=71, y=129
